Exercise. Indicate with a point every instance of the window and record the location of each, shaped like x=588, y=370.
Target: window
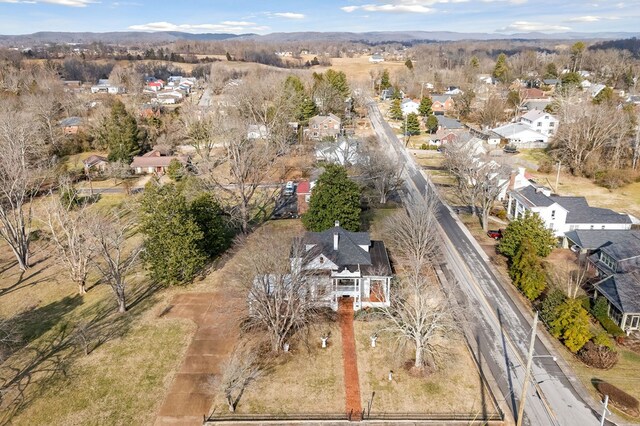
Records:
x=552, y=124
x=603, y=227
x=607, y=260
x=539, y=124
x=591, y=227
x=553, y=214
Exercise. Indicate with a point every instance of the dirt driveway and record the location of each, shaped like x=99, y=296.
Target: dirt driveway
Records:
x=192, y=392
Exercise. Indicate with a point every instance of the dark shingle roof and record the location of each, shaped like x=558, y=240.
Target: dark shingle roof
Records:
x=71, y=121
x=349, y=251
x=593, y=239
x=380, y=265
x=536, y=198
x=622, y=290
x=449, y=123
x=624, y=249
x=580, y=211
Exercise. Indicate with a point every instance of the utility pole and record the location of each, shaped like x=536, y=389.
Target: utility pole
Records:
x=527, y=372
x=605, y=411
x=558, y=176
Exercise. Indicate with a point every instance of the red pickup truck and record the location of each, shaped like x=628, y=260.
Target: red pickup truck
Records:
x=495, y=234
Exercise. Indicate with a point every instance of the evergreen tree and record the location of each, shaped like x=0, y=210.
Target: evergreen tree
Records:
x=397, y=94
x=425, y=106
x=335, y=197
x=550, y=305
x=395, y=112
x=175, y=170
x=172, y=239
x=408, y=64
x=307, y=110
x=526, y=271
x=606, y=95
x=475, y=63
x=412, y=125
x=338, y=80
x=552, y=71
x=530, y=226
x=571, y=324
x=385, y=82
x=120, y=134
x=501, y=70
x=432, y=123
x=570, y=79
x=208, y=215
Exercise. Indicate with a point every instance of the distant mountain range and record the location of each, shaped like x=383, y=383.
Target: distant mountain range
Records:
x=132, y=37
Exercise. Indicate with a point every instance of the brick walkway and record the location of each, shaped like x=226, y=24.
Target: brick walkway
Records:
x=351, y=381
x=191, y=394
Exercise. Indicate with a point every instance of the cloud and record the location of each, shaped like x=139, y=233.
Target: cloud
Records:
x=288, y=15
x=393, y=8
x=591, y=18
x=223, y=27
x=519, y=26
x=71, y=3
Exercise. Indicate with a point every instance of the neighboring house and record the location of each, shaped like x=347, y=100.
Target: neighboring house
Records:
x=633, y=99
x=255, y=131
x=376, y=59
x=388, y=94
x=446, y=123
x=615, y=256
x=95, y=162
x=486, y=79
x=348, y=264
x=409, y=106
x=104, y=86
x=521, y=136
x=303, y=193
x=71, y=125
x=536, y=104
x=344, y=151
x=453, y=91
x=442, y=104
x=563, y=214
x=153, y=162
x=323, y=126
x=532, y=93
x=540, y=121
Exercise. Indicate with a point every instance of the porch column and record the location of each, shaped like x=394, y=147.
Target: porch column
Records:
x=623, y=322
x=509, y=205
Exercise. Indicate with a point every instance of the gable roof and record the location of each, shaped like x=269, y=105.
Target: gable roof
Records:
x=71, y=121
x=440, y=98
x=322, y=118
x=622, y=290
x=535, y=114
x=92, y=160
x=349, y=251
x=534, y=196
x=591, y=239
x=581, y=212
x=512, y=129
x=449, y=123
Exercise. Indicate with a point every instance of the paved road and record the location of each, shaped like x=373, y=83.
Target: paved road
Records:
x=500, y=331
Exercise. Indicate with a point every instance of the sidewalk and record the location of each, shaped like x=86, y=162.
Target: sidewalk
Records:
x=351, y=381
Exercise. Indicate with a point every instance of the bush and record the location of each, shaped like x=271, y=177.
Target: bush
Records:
x=598, y=356
x=600, y=307
x=545, y=166
x=602, y=339
x=500, y=213
x=611, y=327
x=424, y=146
x=619, y=398
x=550, y=304
x=612, y=179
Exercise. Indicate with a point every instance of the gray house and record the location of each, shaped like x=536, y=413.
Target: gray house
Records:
x=348, y=264
x=617, y=262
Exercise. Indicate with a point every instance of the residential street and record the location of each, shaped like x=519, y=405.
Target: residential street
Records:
x=500, y=330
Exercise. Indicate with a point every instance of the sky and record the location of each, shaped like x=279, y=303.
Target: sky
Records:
x=263, y=17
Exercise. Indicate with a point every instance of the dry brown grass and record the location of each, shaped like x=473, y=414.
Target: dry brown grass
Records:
x=359, y=68
x=454, y=388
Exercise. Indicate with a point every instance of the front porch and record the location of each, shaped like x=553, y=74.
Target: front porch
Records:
x=367, y=292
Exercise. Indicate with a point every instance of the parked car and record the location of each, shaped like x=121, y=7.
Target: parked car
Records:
x=510, y=149
x=289, y=188
x=496, y=234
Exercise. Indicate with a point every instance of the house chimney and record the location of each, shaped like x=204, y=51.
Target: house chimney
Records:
x=337, y=223
x=335, y=241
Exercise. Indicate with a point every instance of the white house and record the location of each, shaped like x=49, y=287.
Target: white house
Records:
x=348, y=265
x=255, y=131
x=344, y=151
x=376, y=59
x=540, y=121
x=409, y=106
x=521, y=136
x=561, y=214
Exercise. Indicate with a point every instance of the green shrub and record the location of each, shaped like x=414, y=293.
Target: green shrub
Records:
x=619, y=397
x=602, y=339
x=611, y=327
x=600, y=307
x=424, y=146
x=550, y=304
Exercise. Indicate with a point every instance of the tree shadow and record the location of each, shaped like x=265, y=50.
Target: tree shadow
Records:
x=508, y=365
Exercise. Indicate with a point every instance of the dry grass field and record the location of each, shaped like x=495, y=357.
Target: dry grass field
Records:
x=359, y=68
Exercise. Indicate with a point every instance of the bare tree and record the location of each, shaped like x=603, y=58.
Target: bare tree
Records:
x=69, y=232
x=480, y=182
x=22, y=165
x=242, y=368
x=202, y=128
x=419, y=314
x=384, y=174
x=249, y=163
x=413, y=233
x=113, y=259
x=128, y=78
x=283, y=296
